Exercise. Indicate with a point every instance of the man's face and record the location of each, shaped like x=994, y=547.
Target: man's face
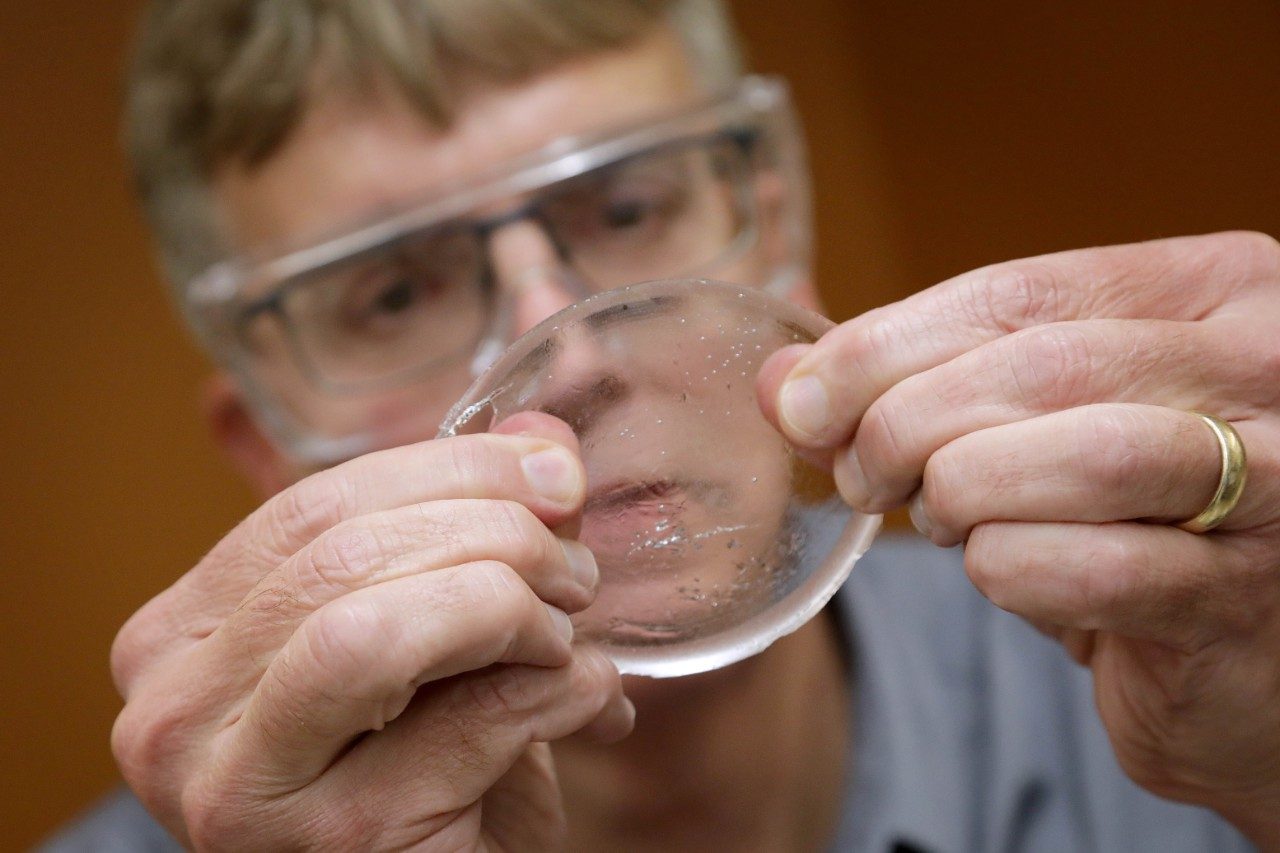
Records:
x=355, y=156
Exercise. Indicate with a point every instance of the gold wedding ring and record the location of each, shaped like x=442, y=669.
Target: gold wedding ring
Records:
x=1230, y=483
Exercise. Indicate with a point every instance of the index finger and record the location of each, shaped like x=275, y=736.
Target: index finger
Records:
x=820, y=401
x=538, y=468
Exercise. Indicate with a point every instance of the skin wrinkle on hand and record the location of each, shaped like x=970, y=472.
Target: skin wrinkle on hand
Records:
x=1174, y=619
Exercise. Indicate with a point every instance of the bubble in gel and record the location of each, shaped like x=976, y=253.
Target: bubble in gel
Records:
x=713, y=537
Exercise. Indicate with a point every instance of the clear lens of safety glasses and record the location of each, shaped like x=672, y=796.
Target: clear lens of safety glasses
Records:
x=423, y=300
x=714, y=538
x=358, y=341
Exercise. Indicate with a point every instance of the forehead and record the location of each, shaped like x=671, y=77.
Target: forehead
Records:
x=352, y=156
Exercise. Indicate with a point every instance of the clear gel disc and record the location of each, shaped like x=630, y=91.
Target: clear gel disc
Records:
x=713, y=537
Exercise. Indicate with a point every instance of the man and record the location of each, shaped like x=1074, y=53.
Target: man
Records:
x=380, y=655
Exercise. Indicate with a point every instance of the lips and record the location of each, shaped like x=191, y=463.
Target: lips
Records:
x=630, y=494
x=623, y=518
x=639, y=529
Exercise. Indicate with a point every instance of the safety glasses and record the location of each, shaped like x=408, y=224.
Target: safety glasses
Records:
x=416, y=295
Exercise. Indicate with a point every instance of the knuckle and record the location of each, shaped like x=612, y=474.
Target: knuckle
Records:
x=862, y=342
x=1110, y=451
x=267, y=607
x=884, y=438
x=154, y=632
x=130, y=744
x=1016, y=295
x=947, y=488
x=851, y=342
x=1257, y=250
x=145, y=737
x=348, y=638
x=520, y=530
x=1267, y=242
x=314, y=504
x=345, y=555
x=1233, y=261
x=497, y=584
x=596, y=677
x=439, y=524
x=506, y=693
x=1048, y=366
x=495, y=592
x=476, y=587
x=129, y=649
x=988, y=567
x=858, y=347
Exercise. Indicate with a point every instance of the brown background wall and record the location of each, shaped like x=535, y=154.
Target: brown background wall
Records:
x=946, y=135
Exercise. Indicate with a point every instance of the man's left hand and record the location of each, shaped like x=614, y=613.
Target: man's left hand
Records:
x=1041, y=412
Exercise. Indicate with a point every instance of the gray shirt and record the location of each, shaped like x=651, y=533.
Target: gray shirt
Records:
x=973, y=733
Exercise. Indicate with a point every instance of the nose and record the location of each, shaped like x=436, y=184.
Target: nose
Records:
x=583, y=371
x=528, y=266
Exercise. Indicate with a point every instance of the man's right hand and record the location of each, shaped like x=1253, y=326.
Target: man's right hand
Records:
x=376, y=658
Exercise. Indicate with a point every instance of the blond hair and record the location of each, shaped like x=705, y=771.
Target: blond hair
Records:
x=219, y=81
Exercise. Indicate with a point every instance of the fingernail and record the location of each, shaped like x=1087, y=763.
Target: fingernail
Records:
x=561, y=620
x=851, y=481
x=581, y=562
x=804, y=406
x=553, y=473
x=920, y=518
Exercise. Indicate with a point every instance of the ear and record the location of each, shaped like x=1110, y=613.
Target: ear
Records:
x=234, y=429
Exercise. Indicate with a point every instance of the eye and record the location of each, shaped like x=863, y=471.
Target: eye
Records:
x=637, y=200
x=632, y=198
x=627, y=213
x=639, y=204
x=383, y=300
x=397, y=296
